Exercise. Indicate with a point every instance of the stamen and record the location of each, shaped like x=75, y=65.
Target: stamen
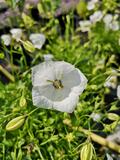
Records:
x=57, y=84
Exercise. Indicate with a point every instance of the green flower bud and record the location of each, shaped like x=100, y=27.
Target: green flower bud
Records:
x=86, y=152
x=22, y=102
x=28, y=46
x=113, y=116
x=15, y=123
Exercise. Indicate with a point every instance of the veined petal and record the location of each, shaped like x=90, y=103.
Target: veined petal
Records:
x=39, y=100
x=42, y=73
x=38, y=39
x=68, y=104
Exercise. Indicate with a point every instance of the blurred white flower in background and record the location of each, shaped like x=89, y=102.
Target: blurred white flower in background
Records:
x=48, y=57
x=109, y=157
x=6, y=38
x=108, y=19
x=91, y=4
x=111, y=22
x=111, y=81
x=95, y=116
x=16, y=33
x=114, y=25
x=38, y=39
x=57, y=85
x=85, y=25
x=115, y=137
x=96, y=16
x=118, y=91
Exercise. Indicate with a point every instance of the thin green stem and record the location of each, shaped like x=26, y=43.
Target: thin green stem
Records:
x=7, y=74
x=32, y=111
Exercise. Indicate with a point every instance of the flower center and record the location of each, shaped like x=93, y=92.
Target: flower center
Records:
x=57, y=84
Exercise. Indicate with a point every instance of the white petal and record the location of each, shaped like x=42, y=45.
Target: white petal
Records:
x=97, y=16
x=90, y=5
x=42, y=72
x=37, y=39
x=16, y=33
x=40, y=101
x=85, y=25
x=47, y=91
x=68, y=104
x=114, y=26
x=108, y=19
x=61, y=94
x=109, y=157
x=6, y=39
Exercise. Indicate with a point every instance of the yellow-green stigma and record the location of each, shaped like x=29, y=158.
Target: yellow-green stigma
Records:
x=57, y=84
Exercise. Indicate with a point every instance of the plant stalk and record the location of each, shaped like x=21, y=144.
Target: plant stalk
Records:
x=102, y=141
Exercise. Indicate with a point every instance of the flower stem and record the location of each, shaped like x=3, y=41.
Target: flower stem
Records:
x=32, y=111
x=102, y=141
x=7, y=74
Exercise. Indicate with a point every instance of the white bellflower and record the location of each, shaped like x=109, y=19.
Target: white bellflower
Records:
x=57, y=85
x=6, y=38
x=16, y=33
x=38, y=39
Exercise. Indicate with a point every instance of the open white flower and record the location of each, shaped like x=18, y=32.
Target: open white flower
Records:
x=57, y=85
x=118, y=91
x=38, y=39
x=85, y=25
x=16, y=33
x=108, y=19
x=114, y=25
x=6, y=38
x=91, y=4
x=96, y=17
x=111, y=22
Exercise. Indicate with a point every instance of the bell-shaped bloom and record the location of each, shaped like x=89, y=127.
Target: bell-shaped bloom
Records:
x=85, y=25
x=91, y=4
x=96, y=17
x=57, y=85
x=6, y=38
x=16, y=33
x=38, y=39
x=107, y=19
x=111, y=22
